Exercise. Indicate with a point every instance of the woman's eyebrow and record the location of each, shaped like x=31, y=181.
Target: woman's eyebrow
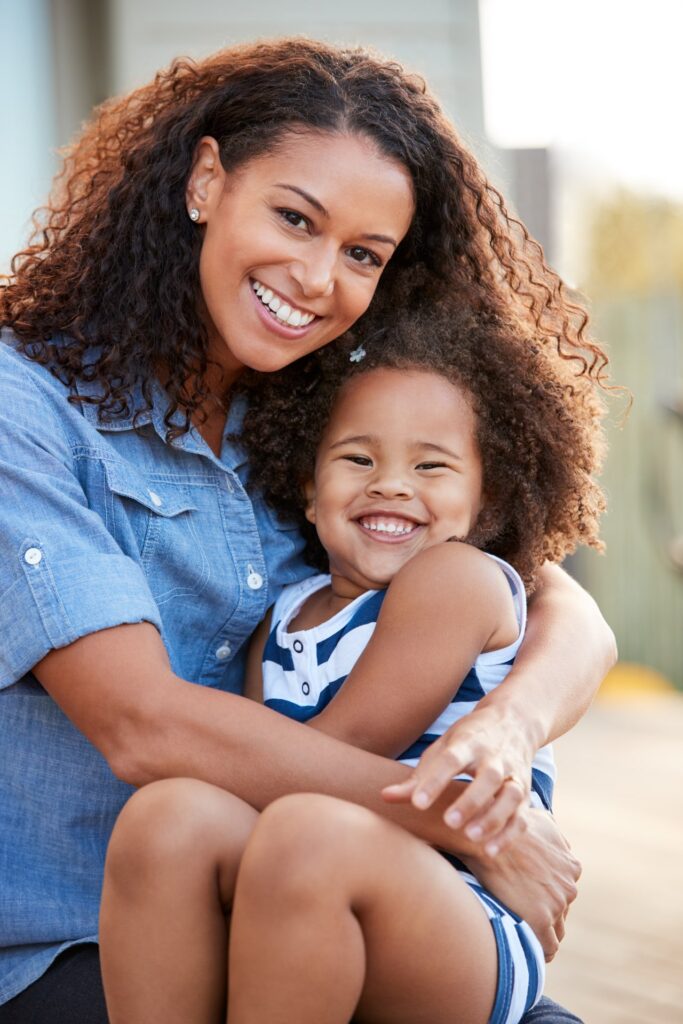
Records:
x=317, y=205
x=304, y=195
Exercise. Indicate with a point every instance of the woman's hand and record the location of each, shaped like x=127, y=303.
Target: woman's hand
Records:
x=496, y=751
x=536, y=877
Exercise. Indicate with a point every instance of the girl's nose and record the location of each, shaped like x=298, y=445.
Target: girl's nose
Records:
x=390, y=485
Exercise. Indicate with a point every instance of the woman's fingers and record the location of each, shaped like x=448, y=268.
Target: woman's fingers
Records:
x=498, y=818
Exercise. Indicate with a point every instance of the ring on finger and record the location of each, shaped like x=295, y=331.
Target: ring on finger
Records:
x=514, y=778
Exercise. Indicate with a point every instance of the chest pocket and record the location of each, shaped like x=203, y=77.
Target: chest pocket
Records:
x=155, y=521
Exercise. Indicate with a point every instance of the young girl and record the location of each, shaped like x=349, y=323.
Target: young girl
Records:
x=447, y=435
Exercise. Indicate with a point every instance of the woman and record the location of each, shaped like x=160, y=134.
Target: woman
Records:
x=238, y=213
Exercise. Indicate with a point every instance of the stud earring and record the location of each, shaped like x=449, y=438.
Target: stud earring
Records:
x=194, y=214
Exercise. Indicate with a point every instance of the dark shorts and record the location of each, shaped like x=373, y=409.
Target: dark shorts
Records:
x=70, y=992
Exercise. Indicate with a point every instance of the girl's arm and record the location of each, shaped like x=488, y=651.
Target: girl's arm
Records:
x=445, y=606
x=566, y=653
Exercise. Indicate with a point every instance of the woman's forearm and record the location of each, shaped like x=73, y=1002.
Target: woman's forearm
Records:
x=118, y=688
x=567, y=651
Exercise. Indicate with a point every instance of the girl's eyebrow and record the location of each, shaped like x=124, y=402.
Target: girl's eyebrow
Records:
x=317, y=205
x=374, y=440
x=369, y=439
x=430, y=446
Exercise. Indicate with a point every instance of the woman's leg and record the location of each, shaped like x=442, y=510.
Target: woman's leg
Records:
x=340, y=914
x=169, y=880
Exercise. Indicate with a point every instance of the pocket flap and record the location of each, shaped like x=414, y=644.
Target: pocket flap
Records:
x=162, y=497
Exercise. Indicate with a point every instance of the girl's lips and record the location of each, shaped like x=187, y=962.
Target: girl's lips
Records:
x=277, y=326
x=389, y=538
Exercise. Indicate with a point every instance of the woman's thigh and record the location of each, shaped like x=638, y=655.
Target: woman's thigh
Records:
x=70, y=992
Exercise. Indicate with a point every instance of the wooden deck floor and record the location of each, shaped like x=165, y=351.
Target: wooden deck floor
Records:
x=620, y=801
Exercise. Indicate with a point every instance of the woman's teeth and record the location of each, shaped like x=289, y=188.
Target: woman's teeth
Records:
x=388, y=526
x=289, y=315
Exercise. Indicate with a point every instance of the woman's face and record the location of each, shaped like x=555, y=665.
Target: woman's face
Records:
x=294, y=244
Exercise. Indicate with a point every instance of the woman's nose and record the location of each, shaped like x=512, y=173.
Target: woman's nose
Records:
x=315, y=274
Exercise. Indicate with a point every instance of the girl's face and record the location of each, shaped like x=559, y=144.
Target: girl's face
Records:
x=294, y=244
x=398, y=470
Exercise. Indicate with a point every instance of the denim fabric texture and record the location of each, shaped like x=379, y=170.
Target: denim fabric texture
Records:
x=102, y=524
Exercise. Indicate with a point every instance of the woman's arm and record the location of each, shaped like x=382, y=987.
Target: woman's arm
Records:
x=119, y=690
x=566, y=653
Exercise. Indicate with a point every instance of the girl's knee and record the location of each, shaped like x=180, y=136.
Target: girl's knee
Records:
x=176, y=821
x=302, y=839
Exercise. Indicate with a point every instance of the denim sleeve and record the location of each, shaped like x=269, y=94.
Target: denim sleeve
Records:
x=62, y=576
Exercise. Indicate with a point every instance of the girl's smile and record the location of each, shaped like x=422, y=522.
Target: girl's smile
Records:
x=294, y=244
x=398, y=470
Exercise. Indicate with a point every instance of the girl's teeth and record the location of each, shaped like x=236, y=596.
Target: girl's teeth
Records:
x=274, y=304
x=266, y=296
x=388, y=528
x=283, y=311
x=294, y=320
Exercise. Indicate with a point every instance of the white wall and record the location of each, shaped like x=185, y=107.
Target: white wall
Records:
x=27, y=161
x=437, y=38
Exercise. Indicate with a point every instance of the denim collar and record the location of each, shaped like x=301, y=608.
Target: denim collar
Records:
x=232, y=454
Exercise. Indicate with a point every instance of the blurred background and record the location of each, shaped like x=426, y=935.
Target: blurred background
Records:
x=572, y=107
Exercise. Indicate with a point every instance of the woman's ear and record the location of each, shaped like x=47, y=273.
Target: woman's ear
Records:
x=207, y=179
x=309, y=495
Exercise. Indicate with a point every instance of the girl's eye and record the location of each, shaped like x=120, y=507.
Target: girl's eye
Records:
x=432, y=465
x=358, y=460
x=360, y=255
x=294, y=219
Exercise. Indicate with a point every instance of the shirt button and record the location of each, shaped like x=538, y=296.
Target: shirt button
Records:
x=305, y=688
x=254, y=580
x=156, y=500
x=223, y=652
x=33, y=556
x=298, y=646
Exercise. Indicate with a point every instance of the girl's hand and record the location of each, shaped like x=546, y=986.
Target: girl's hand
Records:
x=497, y=753
x=536, y=878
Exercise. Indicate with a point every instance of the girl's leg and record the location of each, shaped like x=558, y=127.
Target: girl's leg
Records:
x=169, y=880
x=340, y=914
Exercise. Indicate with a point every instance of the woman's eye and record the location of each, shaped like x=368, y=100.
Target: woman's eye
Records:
x=360, y=255
x=294, y=219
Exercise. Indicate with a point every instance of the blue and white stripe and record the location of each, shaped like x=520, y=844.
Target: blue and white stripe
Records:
x=303, y=670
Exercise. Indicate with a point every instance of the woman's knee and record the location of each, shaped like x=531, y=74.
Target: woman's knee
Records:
x=177, y=822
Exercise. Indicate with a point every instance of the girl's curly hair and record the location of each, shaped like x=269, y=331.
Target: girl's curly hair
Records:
x=113, y=264
x=539, y=457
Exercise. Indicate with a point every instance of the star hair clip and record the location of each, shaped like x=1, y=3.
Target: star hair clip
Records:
x=357, y=354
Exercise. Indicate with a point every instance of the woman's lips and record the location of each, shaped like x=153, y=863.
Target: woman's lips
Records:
x=278, y=326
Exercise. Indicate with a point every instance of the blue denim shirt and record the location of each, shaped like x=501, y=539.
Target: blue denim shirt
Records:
x=101, y=525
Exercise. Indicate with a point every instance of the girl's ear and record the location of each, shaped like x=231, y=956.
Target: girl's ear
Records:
x=488, y=526
x=309, y=495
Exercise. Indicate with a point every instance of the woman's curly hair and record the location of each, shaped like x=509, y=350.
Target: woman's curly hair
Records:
x=113, y=265
x=538, y=456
